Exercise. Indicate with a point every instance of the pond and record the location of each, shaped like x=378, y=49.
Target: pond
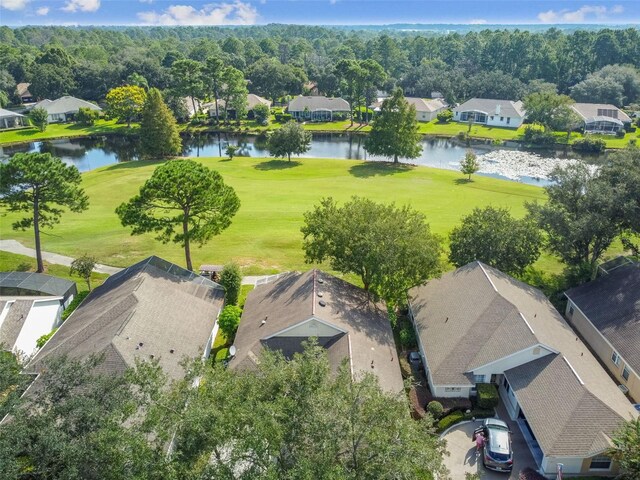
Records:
x=90, y=153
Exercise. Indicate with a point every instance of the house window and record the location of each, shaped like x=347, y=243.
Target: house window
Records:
x=452, y=389
x=502, y=119
x=571, y=310
x=491, y=117
x=615, y=358
x=478, y=379
x=601, y=462
x=508, y=120
x=625, y=373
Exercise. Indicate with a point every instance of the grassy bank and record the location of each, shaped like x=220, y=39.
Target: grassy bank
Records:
x=265, y=234
x=64, y=130
x=478, y=132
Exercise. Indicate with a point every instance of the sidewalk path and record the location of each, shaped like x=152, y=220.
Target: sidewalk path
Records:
x=13, y=246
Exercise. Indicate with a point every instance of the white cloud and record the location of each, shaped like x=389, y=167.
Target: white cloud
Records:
x=81, y=5
x=333, y=2
x=14, y=4
x=42, y=11
x=582, y=14
x=477, y=21
x=236, y=13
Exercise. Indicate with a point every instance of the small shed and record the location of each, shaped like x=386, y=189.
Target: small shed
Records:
x=211, y=271
x=9, y=119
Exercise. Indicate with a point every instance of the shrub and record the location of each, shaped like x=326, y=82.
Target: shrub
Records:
x=44, y=338
x=487, y=395
x=449, y=420
x=39, y=118
x=393, y=317
x=231, y=280
x=229, y=320
x=534, y=135
x=445, y=116
x=339, y=117
x=435, y=408
x=407, y=336
x=221, y=355
x=74, y=304
x=405, y=368
x=262, y=113
x=86, y=116
x=589, y=145
x=283, y=117
x=620, y=134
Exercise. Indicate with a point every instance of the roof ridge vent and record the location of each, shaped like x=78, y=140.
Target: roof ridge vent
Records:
x=573, y=370
x=488, y=277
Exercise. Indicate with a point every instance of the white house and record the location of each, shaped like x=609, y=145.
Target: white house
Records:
x=65, y=108
x=31, y=305
x=478, y=325
x=601, y=117
x=493, y=113
x=317, y=108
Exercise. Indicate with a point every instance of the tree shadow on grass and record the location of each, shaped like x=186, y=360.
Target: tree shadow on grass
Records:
x=462, y=181
x=277, y=165
x=371, y=169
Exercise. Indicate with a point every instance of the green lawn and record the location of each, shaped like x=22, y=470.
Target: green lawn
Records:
x=265, y=234
x=59, y=130
x=21, y=263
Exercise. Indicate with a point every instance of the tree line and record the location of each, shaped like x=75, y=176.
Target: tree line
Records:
x=280, y=60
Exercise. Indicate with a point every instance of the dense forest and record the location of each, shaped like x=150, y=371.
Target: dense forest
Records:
x=278, y=60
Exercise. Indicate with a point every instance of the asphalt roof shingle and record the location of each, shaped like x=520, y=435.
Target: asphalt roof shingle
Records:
x=299, y=103
x=153, y=309
x=349, y=325
x=508, y=108
x=612, y=305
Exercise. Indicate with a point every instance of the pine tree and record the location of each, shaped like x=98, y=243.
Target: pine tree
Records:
x=158, y=129
x=395, y=131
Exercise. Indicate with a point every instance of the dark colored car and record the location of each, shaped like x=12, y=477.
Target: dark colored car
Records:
x=497, y=453
x=415, y=360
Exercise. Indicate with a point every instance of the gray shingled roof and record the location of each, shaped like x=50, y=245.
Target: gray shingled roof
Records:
x=566, y=418
x=589, y=111
x=14, y=321
x=29, y=283
x=363, y=330
x=508, y=108
x=612, y=305
x=464, y=319
x=298, y=104
x=153, y=309
x=66, y=104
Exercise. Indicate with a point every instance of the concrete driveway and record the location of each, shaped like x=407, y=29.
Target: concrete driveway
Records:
x=462, y=458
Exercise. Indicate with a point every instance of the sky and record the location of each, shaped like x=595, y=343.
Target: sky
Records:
x=316, y=12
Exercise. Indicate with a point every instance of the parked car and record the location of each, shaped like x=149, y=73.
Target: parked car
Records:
x=497, y=453
x=415, y=360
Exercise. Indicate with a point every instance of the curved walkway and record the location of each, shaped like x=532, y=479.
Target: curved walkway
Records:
x=13, y=246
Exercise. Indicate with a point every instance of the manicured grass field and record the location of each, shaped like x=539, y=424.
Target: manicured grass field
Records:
x=265, y=234
x=58, y=130
x=12, y=262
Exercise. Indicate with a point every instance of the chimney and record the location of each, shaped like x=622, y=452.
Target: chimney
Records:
x=498, y=108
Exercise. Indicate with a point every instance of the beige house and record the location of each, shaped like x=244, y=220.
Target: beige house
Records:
x=601, y=117
x=426, y=109
x=606, y=313
x=479, y=325
x=284, y=313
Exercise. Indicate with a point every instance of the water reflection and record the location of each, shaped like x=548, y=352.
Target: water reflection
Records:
x=90, y=153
